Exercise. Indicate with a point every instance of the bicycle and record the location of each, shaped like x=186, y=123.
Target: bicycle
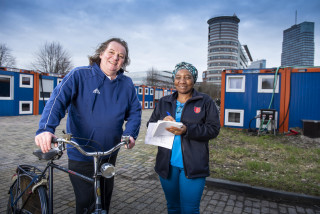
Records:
x=32, y=190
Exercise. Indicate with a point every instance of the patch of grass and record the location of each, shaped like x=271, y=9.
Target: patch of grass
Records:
x=280, y=162
x=258, y=166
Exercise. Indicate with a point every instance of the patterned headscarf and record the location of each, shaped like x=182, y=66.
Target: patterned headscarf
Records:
x=189, y=67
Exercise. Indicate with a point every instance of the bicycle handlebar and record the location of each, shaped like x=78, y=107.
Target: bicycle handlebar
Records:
x=124, y=141
x=56, y=152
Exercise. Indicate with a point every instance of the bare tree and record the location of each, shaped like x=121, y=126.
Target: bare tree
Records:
x=6, y=59
x=51, y=58
x=212, y=90
x=152, y=77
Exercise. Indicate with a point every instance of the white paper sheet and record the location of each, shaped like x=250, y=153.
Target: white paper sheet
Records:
x=161, y=125
x=165, y=141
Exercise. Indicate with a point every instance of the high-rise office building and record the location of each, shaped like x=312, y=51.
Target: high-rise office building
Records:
x=298, y=45
x=224, y=48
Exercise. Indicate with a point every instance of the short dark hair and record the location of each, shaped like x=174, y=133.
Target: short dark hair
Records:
x=103, y=46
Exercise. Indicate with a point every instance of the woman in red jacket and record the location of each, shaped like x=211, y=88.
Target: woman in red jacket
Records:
x=182, y=170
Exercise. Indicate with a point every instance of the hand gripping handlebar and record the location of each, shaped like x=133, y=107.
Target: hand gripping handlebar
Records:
x=56, y=152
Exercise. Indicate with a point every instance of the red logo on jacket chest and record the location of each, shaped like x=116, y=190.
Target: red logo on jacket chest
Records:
x=197, y=110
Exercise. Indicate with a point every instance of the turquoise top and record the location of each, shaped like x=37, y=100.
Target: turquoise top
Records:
x=176, y=154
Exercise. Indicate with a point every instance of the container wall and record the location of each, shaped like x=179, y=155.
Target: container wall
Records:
x=304, y=98
x=247, y=102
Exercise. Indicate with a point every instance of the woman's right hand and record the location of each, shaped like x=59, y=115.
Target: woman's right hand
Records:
x=169, y=118
x=43, y=140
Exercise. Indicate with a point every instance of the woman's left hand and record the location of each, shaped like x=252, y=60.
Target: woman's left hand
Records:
x=176, y=130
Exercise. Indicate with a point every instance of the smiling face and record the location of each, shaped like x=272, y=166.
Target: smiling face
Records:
x=183, y=81
x=112, y=58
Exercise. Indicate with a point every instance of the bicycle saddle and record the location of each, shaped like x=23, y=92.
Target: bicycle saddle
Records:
x=51, y=155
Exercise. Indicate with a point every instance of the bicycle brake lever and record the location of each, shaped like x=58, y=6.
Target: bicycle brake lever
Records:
x=60, y=146
x=67, y=136
x=126, y=139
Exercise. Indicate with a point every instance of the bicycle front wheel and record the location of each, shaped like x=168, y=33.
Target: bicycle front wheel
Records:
x=23, y=200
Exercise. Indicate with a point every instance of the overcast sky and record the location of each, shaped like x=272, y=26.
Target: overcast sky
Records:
x=160, y=33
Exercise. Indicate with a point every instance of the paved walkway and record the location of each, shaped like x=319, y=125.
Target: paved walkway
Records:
x=137, y=187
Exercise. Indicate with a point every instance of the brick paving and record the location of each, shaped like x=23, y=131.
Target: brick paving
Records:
x=137, y=187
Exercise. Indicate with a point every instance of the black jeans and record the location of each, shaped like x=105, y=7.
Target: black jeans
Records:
x=84, y=191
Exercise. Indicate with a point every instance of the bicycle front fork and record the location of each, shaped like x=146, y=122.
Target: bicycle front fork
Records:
x=97, y=175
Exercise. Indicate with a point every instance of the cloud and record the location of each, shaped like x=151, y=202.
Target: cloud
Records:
x=159, y=33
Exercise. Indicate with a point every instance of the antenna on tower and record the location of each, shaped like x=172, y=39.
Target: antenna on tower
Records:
x=296, y=17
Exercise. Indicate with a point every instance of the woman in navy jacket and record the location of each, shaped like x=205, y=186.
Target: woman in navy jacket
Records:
x=183, y=169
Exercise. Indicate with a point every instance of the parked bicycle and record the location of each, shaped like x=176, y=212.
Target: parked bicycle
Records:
x=32, y=190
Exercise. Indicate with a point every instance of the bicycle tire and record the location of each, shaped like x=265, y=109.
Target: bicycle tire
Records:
x=35, y=203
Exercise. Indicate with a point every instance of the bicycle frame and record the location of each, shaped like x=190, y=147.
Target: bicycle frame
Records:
x=51, y=165
x=95, y=181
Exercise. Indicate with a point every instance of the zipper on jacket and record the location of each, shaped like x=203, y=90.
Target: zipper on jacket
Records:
x=95, y=95
x=182, y=148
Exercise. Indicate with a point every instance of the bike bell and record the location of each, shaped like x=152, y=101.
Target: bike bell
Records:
x=108, y=170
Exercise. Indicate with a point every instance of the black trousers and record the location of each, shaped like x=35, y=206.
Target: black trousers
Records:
x=84, y=191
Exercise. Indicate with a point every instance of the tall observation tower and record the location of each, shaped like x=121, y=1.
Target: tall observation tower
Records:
x=224, y=48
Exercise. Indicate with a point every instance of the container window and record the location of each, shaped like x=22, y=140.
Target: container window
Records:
x=25, y=107
x=140, y=90
x=158, y=94
x=6, y=87
x=235, y=83
x=146, y=104
x=26, y=81
x=234, y=117
x=266, y=84
x=45, y=88
x=151, y=91
x=151, y=104
x=146, y=91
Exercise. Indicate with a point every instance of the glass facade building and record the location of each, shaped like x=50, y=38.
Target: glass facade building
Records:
x=298, y=45
x=224, y=49
x=162, y=78
x=258, y=64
